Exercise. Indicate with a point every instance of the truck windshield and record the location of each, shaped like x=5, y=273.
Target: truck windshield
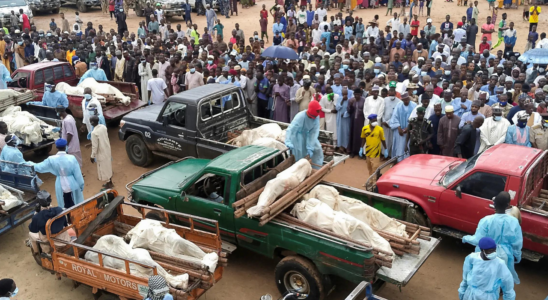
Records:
x=459, y=170
x=12, y=3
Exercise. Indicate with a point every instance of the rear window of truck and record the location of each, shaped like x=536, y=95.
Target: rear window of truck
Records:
x=58, y=72
x=258, y=171
x=38, y=77
x=68, y=71
x=219, y=105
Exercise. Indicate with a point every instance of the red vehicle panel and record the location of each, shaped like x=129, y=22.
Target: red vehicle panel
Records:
x=457, y=193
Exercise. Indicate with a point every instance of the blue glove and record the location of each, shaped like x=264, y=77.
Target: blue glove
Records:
x=461, y=296
x=56, y=129
x=310, y=153
x=290, y=146
x=361, y=152
x=385, y=153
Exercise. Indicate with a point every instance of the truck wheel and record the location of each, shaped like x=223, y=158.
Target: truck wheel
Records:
x=420, y=218
x=295, y=273
x=81, y=6
x=138, y=152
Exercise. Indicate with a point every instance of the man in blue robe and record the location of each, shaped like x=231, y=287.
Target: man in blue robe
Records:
x=518, y=134
x=398, y=124
x=95, y=73
x=51, y=97
x=302, y=135
x=69, y=185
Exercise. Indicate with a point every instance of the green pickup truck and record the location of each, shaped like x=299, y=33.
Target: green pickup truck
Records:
x=208, y=188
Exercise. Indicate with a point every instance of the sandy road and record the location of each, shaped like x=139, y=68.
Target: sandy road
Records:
x=249, y=275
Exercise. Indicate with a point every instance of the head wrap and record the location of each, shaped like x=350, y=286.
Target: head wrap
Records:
x=60, y=143
x=313, y=108
x=404, y=95
x=487, y=243
x=378, y=60
x=449, y=108
x=392, y=84
x=372, y=116
x=336, y=76
x=237, y=67
x=225, y=69
x=522, y=115
x=233, y=72
x=375, y=88
x=118, y=52
x=157, y=288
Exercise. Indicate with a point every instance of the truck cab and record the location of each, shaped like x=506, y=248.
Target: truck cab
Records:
x=453, y=194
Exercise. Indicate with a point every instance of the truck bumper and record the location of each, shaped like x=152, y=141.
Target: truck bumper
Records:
x=121, y=134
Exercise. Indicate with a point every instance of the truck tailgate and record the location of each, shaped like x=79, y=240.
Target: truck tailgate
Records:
x=405, y=267
x=118, y=111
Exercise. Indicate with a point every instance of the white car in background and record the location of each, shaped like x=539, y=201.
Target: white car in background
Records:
x=6, y=6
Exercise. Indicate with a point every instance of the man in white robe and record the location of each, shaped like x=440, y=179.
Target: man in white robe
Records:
x=493, y=130
x=374, y=105
x=327, y=103
x=100, y=152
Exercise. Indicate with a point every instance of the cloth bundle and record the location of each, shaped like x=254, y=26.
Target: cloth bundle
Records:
x=27, y=127
x=104, y=88
x=317, y=213
x=10, y=201
x=270, y=143
x=271, y=130
x=357, y=209
x=115, y=245
x=284, y=182
x=151, y=235
x=7, y=93
x=76, y=90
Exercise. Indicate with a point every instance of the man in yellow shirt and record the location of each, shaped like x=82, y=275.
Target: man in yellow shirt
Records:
x=372, y=137
x=534, y=11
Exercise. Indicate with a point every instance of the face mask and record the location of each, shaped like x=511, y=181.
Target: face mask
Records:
x=497, y=118
x=375, y=123
x=317, y=74
x=92, y=112
x=414, y=92
x=20, y=43
x=48, y=89
x=423, y=73
x=14, y=293
x=521, y=124
x=94, y=67
x=60, y=39
x=256, y=37
x=210, y=62
x=503, y=104
x=345, y=67
x=541, y=70
x=376, y=71
x=87, y=96
x=192, y=70
x=490, y=256
x=545, y=125
x=439, y=84
x=447, y=72
x=229, y=77
x=121, y=9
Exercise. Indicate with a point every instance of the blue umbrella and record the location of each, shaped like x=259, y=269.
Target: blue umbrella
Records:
x=280, y=52
x=535, y=56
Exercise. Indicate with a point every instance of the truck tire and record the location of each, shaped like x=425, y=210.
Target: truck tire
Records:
x=81, y=6
x=295, y=273
x=420, y=218
x=138, y=152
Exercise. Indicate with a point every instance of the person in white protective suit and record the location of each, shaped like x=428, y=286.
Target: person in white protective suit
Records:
x=93, y=111
x=69, y=185
x=88, y=100
x=302, y=135
x=95, y=73
x=11, y=153
x=51, y=97
x=4, y=77
x=484, y=275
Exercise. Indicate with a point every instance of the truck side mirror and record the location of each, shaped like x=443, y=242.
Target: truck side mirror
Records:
x=184, y=197
x=458, y=192
x=165, y=120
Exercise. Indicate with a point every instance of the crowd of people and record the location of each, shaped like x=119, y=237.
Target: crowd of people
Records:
x=390, y=90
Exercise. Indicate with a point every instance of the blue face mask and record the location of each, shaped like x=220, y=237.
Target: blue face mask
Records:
x=345, y=67
x=503, y=104
x=87, y=96
x=414, y=92
x=48, y=89
x=229, y=78
x=497, y=118
x=192, y=70
x=20, y=43
x=210, y=62
x=376, y=71
x=14, y=293
x=423, y=73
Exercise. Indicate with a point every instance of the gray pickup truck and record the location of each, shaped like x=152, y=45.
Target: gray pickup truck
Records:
x=193, y=123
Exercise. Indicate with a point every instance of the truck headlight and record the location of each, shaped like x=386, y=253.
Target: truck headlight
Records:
x=122, y=123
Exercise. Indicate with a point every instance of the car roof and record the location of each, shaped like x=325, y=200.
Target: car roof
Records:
x=193, y=96
x=42, y=65
x=508, y=159
x=240, y=159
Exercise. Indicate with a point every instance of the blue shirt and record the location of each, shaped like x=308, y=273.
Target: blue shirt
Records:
x=485, y=88
x=347, y=32
x=459, y=111
x=29, y=50
x=263, y=87
x=309, y=17
x=277, y=27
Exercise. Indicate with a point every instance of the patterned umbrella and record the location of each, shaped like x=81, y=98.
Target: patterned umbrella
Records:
x=535, y=56
x=280, y=52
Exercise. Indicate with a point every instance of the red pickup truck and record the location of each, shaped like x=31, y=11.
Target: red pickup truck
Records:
x=34, y=76
x=452, y=194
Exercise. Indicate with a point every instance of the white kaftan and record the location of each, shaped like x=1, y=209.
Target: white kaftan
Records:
x=100, y=150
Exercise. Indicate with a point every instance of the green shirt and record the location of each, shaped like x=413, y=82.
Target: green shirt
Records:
x=196, y=36
x=502, y=24
x=219, y=28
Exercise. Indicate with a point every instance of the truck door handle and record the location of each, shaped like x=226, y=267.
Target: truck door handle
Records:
x=217, y=211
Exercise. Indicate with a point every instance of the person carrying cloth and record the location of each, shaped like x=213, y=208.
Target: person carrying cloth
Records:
x=302, y=135
x=505, y=230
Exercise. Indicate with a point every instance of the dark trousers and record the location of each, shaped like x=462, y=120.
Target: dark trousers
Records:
x=69, y=202
x=262, y=109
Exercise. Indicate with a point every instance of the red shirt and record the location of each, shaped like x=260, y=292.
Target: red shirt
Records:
x=415, y=30
x=264, y=13
x=483, y=46
x=26, y=23
x=438, y=91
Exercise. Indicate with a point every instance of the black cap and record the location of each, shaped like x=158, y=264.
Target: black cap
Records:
x=44, y=198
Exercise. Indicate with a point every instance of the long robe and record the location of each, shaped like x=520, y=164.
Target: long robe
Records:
x=373, y=106
x=330, y=118
x=518, y=136
x=400, y=119
x=356, y=125
x=5, y=61
x=4, y=77
x=294, y=108
x=146, y=74
x=343, y=123
x=448, y=131
x=211, y=16
x=69, y=176
x=19, y=55
x=493, y=132
x=100, y=150
x=302, y=138
x=435, y=119
x=281, y=110
x=73, y=148
x=389, y=106
x=85, y=113
x=119, y=69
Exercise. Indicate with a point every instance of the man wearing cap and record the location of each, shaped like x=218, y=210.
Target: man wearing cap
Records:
x=448, y=130
x=484, y=274
x=462, y=105
x=398, y=124
x=100, y=152
x=69, y=185
x=95, y=73
x=493, y=131
x=305, y=93
x=501, y=227
x=519, y=133
x=302, y=135
x=420, y=133
x=390, y=104
x=538, y=135
x=372, y=138
x=37, y=227
x=394, y=23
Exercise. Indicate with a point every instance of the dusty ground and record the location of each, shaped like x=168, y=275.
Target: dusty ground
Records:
x=249, y=275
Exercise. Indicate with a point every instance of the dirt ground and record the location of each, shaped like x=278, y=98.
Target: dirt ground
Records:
x=249, y=275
